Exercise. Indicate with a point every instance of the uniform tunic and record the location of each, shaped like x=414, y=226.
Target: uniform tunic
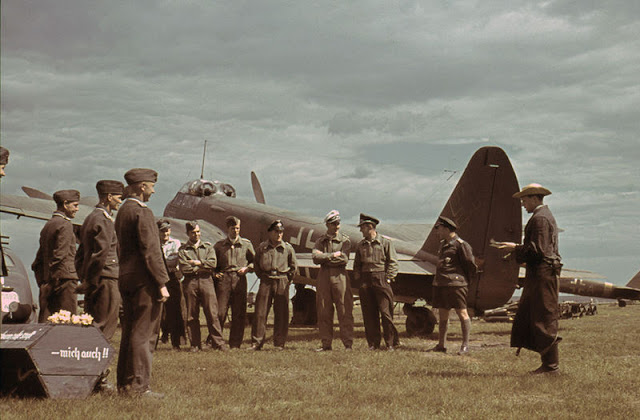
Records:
x=231, y=288
x=199, y=291
x=535, y=326
x=54, y=267
x=142, y=274
x=376, y=266
x=174, y=313
x=456, y=268
x=333, y=288
x=275, y=265
x=97, y=265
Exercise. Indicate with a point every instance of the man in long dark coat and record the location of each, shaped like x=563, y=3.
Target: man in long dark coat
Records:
x=54, y=266
x=535, y=326
x=97, y=259
x=142, y=283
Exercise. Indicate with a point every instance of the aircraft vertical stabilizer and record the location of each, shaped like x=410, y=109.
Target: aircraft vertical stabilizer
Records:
x=483, y=208
x=635, y=281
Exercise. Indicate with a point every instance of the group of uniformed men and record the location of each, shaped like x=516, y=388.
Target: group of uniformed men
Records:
x=133, y=262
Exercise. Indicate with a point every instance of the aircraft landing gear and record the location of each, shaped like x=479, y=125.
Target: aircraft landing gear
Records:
x=421, y=321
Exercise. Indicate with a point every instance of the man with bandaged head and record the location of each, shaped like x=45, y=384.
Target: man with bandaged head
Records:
x=333, y=287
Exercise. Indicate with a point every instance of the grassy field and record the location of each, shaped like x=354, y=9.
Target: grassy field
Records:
x=600, y=378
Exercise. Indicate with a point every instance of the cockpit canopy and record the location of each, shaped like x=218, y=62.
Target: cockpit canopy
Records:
x=204, y=188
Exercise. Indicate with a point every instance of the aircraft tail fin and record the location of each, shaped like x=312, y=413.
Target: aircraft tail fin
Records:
x=635, y=281
x=483, y=208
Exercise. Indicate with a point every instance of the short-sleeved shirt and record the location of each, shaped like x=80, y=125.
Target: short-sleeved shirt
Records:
x=170, y=251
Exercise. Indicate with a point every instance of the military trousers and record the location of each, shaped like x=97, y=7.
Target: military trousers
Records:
x=333, y=289
x=200, y=291
x=174, y=313
x=232, y=292
x=57, y=295
x=140, y=323
x=271, y=291
x=376, y=301
x=103, y=304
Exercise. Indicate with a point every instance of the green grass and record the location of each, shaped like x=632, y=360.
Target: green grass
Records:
x=600, y=378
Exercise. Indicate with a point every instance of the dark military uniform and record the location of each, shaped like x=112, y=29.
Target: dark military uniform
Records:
x=535, y=326
x=333, y=288
x=376, y=265
x=232, y=287
x=54, y=267
x=142, y=275
x=175, y=310
x=97, y=265
x=199, y=290
x=456, y=268
x=275, y=265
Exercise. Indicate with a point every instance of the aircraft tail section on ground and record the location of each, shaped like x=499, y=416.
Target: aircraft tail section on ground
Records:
x=635, y=281
x=483, y=208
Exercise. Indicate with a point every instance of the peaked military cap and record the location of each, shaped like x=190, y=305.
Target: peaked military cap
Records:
x=276, y=225
x=163, y=224
x=4, y=156
x=446, y=222
x=135, y=175
x=66, y=195
x=109, y=186
x=532, y=189
x=365, y=218
x=332, y=217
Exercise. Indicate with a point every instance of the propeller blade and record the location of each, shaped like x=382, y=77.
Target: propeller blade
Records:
x=257, y=189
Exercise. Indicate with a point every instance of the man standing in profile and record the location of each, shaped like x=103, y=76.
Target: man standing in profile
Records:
x=174, y=311
x=535, y=326
x=97, y=259
x=331, y=251
x=198, y=262
x=456, y=268
x=376, y=265
x=235, y=259
x=275, y=266
x=142, y=283
x=54, y=266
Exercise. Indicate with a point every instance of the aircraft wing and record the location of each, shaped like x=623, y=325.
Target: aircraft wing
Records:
x=37, y=208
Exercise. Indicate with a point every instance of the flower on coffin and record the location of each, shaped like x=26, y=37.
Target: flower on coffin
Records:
x=65, y=317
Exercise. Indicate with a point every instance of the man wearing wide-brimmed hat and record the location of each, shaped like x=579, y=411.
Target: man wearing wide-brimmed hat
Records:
x=97, y=259
x=54, y=266
x=535, y=326
x=375, y=266
x=142, y=282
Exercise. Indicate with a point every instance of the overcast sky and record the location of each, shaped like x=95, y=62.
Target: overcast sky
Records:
x=358, y=105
